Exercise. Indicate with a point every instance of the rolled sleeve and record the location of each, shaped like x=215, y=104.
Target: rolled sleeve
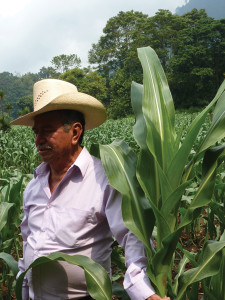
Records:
x=137, y=284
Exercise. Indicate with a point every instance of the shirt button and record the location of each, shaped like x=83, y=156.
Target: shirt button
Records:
x=48, y=205
x=36, y=252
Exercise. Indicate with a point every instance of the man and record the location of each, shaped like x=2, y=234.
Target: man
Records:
x=69, y=205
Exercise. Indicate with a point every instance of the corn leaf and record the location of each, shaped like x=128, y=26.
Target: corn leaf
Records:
x=119, y=163
x=10, y=261
x=4, y=210
x=209, y=266
x=98, y=282
x=216, y=131
x=177, y=166
x=212, y=159
x=158, y=108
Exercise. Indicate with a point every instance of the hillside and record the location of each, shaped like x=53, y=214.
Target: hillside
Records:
x=214, y=8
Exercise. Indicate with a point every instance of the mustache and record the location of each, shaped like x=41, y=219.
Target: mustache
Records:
x=44, y=146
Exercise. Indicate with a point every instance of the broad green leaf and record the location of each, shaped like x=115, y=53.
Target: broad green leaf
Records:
x=119, y=163
x=209, y=266
x=181, y=269
x=5, y=193
x=171, y=205
x=161, y=262
x=139, y=129
x=158, y=108
x=213, y=157
x=4, y=210
x=216, y=131
x=98, y=282
x=15, y=192
x=146, y=176
x=215, y=288
x=177, y=166
x=13, y=265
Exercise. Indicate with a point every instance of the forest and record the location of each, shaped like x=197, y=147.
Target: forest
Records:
x=191, y=49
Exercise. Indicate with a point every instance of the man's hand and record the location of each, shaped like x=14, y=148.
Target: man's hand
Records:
x=156, y=297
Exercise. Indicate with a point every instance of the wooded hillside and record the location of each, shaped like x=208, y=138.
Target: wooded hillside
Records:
x=191, y=49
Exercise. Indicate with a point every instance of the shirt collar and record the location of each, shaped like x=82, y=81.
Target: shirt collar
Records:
x=81, y=162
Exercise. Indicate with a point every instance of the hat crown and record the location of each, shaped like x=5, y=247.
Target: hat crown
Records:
x=49, y=89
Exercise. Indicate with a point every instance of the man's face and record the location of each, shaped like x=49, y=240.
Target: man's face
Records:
x=53, y=143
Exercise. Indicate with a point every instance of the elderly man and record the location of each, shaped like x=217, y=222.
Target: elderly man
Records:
x=69, y=205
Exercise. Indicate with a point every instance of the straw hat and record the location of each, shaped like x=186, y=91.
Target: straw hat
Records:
x=54, y=94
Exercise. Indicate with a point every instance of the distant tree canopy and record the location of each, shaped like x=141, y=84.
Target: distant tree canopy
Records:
x=25, y=101
x=191, y=48
x=87, y=81
x=63, y=63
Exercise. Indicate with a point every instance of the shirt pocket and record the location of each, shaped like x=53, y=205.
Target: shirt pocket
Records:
x=72, y=227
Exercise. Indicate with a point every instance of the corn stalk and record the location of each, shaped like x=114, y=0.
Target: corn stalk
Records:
x=152, y=183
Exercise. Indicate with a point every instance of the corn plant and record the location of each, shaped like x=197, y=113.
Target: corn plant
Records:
x=153, y=182
x=10, y=210
x=97, y=279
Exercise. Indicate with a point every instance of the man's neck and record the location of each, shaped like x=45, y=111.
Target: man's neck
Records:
x=58, y=170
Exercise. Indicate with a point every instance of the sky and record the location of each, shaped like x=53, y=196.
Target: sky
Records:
x=32, y=32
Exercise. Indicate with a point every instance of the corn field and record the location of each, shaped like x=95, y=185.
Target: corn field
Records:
x=178, y=194
x=18, y=159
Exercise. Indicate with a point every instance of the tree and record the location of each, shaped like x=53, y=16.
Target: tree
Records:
x=26, y=110
x=9, y=107
x=2, y=96
x=120, y=104
x=48, y=72
x=25, y=101
x=20, y=112
x=196, y=67
x=87, y=81
x=122, y=35
x=164, y=31
x=16, y=86
x=63, y=62
x=116, y=59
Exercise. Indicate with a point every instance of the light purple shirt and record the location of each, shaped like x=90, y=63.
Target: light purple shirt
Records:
x=79, y=217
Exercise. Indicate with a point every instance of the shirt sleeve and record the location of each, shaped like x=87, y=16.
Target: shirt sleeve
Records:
x=136, y=281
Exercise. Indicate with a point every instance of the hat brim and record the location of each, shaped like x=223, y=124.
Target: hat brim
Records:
x=93, y=110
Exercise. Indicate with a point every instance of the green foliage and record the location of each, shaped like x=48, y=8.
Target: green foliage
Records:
x=16, y=87
x=48, y=72
x=196, y=68
x=18, y=151
x=2, y=96
x=63, y=62
x=87, y=81
x=4, y=124
x=10, y=218
x=19, y=156
x=162, y=172
x=25, y=101
x=97, y=279
x=120, y=95
x=190, y=49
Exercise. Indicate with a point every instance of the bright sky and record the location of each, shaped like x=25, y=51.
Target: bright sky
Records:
x=34, y=31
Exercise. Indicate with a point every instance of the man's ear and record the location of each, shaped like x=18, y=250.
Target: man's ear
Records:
x=77, y=131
